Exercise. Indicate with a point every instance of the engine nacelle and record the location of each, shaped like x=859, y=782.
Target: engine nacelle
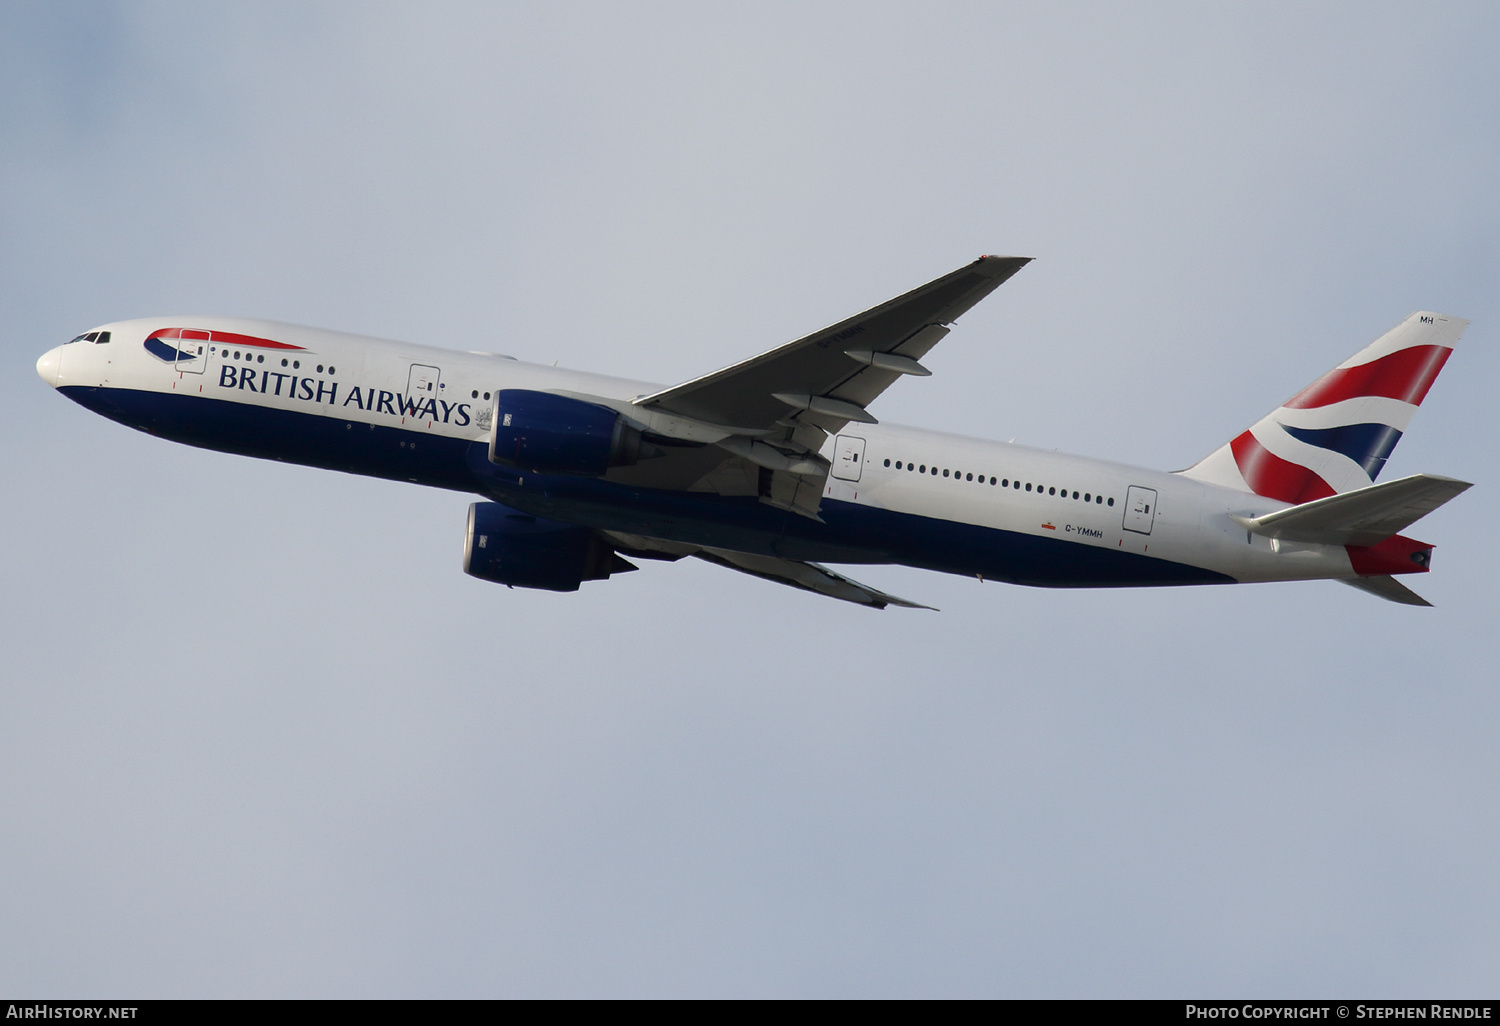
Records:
x=510, y=547
x=552, y=434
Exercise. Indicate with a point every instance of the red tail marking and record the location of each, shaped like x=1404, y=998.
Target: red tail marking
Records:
x=1406, y=375
x=1269, y=475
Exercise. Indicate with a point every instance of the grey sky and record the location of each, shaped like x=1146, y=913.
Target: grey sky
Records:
x=260, y=736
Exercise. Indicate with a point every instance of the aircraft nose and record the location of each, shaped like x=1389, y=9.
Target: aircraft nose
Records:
x=49, y=364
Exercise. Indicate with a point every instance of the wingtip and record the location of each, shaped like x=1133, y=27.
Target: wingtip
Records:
x=891, y=600
x=1001, y=265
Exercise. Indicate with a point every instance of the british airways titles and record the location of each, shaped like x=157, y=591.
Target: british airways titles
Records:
x=369, y=399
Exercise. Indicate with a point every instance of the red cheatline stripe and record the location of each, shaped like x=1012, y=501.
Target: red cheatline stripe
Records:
x=226, y=338
x=1406, y=374
x=1269, y=475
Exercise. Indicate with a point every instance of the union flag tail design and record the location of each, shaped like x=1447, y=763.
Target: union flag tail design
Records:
x=1336, y=434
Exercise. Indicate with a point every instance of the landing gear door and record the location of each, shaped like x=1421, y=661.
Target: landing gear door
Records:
x=1140, y=509
x=848, y=455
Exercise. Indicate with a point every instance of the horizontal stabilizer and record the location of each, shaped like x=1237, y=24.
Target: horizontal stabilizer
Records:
x=1365, y=516
x=1387, y=587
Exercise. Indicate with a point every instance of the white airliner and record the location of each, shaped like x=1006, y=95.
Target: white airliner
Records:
x=774, y=465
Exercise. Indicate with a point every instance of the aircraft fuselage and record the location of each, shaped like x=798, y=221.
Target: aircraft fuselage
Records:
x=895, y=494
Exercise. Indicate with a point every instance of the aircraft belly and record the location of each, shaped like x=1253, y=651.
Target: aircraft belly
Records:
x=287, y=436
x=851, y=532
x=1006, y=555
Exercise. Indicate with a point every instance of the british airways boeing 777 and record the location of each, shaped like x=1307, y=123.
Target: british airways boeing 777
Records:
x=775, y=465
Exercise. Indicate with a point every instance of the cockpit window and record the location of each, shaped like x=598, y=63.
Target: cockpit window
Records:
x=97, y=337
x=101, y=337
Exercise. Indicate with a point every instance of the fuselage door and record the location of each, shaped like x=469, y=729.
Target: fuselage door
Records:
x=423, y=383
x=192, y=351
x=1140, y=509
x=848, y=455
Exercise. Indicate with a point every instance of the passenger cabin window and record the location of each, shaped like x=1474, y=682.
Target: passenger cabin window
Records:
x=1006, y=482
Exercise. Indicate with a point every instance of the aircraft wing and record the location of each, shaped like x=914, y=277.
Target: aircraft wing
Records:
x=826, y=379
x=812, y=577
x=808, y=576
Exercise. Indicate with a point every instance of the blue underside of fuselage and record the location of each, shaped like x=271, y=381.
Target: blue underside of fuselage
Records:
x=850, y=533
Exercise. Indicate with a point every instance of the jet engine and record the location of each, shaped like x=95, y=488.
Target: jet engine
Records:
x=509, y=547
x=552, y=434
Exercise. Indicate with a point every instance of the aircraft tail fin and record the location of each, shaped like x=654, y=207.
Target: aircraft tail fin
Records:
x=1335, y=435
x=1388, y=588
